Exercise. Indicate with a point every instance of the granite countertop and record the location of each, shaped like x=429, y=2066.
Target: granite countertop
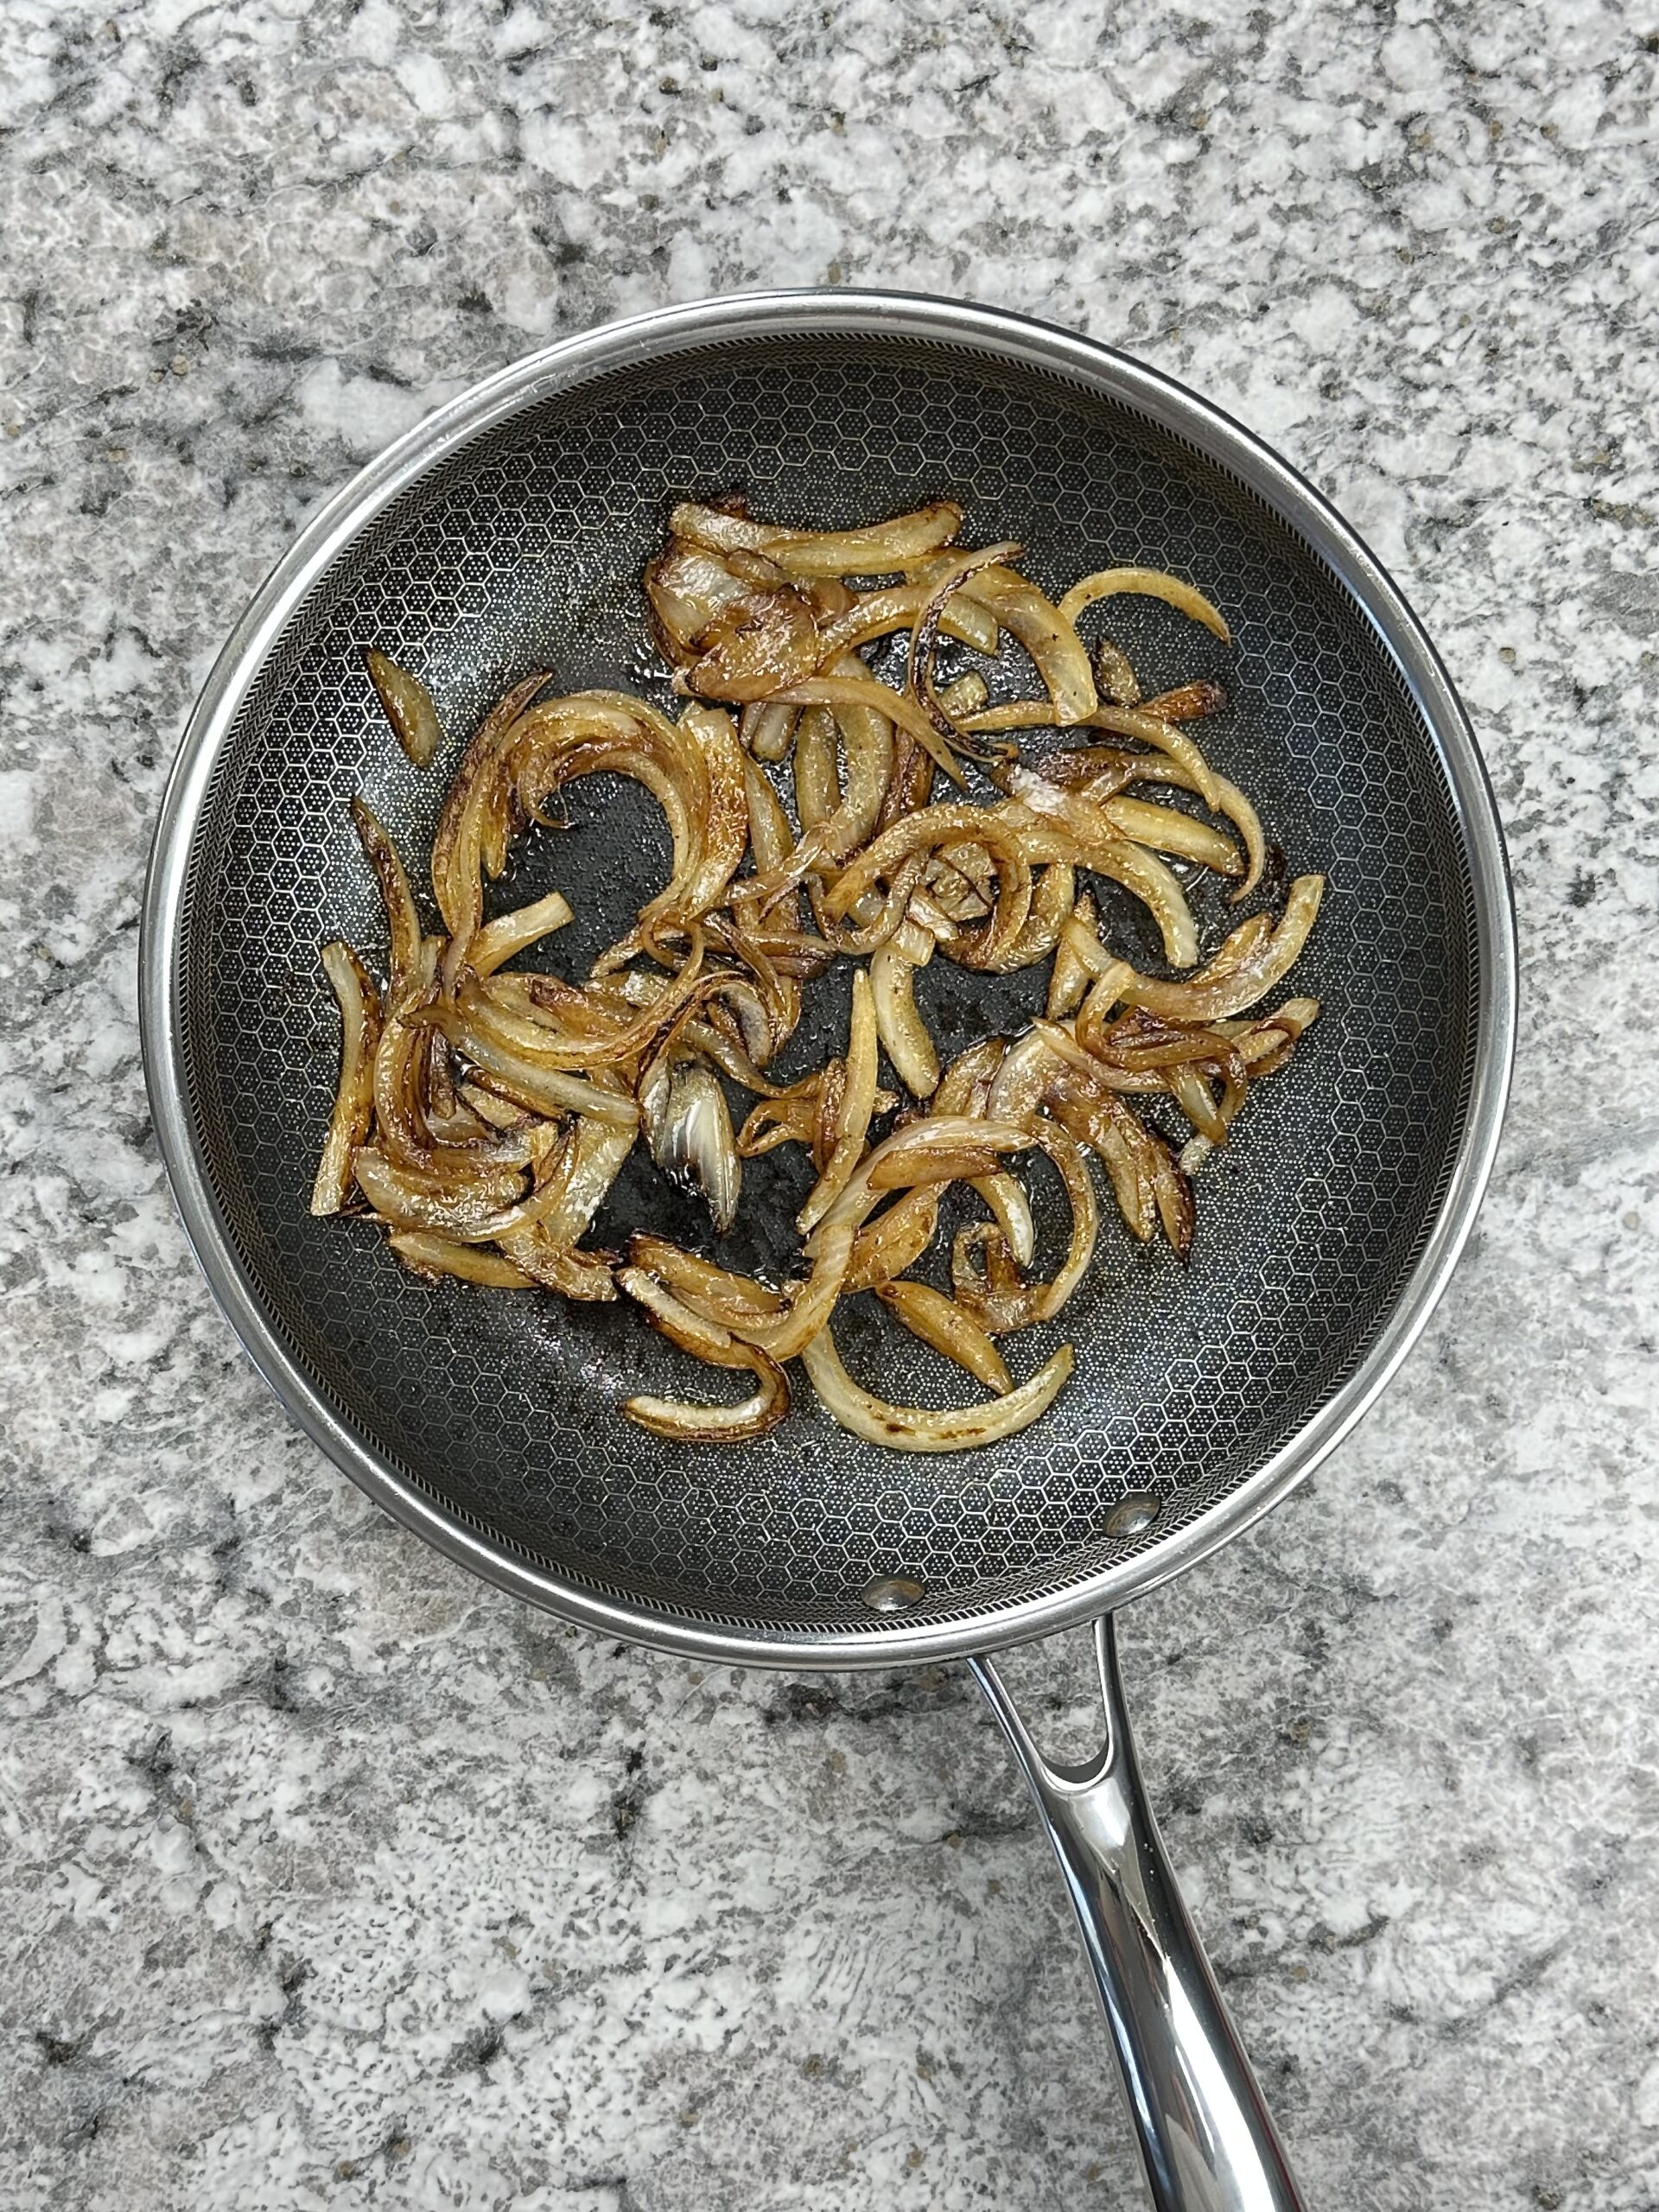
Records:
x=331, y=1878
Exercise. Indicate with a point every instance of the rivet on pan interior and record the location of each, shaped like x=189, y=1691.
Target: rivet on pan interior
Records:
x=892, y=1593
x=1132, y=1513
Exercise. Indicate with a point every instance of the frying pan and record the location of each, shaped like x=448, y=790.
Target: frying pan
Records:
x=507, y=532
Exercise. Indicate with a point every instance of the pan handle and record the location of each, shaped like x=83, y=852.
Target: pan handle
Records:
x=1204, y=2132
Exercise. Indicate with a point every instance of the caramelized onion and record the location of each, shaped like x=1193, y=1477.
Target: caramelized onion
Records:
x=1080, y=832
x=683, y=1422
x=1155, y=583
x=407, y=705
x=1046, y=633
x=484, y=1112
x=950, y=1329
x=857, y=1105
x=904, y=1034
x=881, y=613
x=1254, y=977
x=509, y=935
x=893, y=1239
x=354, y=1111
x=424, y=1254
x=908, y=1428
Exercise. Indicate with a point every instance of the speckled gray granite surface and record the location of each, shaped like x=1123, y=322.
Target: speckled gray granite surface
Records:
x=332, y=1880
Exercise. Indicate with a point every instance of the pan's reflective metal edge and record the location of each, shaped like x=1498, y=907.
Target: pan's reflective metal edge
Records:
x=1022, y=341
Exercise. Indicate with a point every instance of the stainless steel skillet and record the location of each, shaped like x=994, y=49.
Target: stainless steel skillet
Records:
x=507, y=532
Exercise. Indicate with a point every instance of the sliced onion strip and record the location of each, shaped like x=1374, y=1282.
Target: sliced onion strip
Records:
x=1254, y=976
x=908, y=1429
x=858, y=1104
x=681, y=1420
x=424, y=1254
x=950, y=1329
x=407, y=705
x=905, y=1036
x=353, y=1108
x=1153, y=583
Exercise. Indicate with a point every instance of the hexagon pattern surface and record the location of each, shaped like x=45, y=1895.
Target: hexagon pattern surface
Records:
x=524, y=551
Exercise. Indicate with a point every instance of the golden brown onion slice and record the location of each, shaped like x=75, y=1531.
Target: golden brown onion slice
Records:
x=987, y=1280
x=547, y=1248
x=908, y=1429
x=413, y=1200
x=1060, y=825
x=1153, y=583
x=756, y=647
x=790, y=1117
x=687, y=586
x=950, y=1329
x=680, y=1420
x=402, y=1062
x=1101, y=771
x=509, y=935
x=1125, y=721
x=817, y=777
x=844, y=689
x=1074, y=957
x=1226, y=799
x=403, y=923
x=1266, y=1044
x=1045, y=1300
x=1191, y=1094
x=866, y=741
x=877, y=551
x=967, y=1084
x=424, y=1254
x=857, y=1107
x=726, y=528
x=964, y=1165
x=881, y=613
x=909, y=1154
x=1099, y=1119
x=694, y=768
x=769, y=833
x=717, y=1291
x=767, y=731
x=785, y=1334
x=354, y=1108
x=506, y=1071
x=1047, y=634
x=407, y=705
x=904, y=1034
x=1165, y=829
x=580, y=1036
x=1016, y=1090
x=1035, y=938
x=894, y=1239
x=946, y=578
x=1010, y=1208
x=478, y=817
x=585, y=1277
x=1251, y=980
x=960, y=824
x=965, y=694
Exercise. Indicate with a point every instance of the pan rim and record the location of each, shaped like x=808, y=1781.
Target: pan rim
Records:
x=564, y=366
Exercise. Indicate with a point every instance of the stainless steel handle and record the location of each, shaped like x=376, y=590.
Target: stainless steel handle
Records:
x=1204, y=2132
